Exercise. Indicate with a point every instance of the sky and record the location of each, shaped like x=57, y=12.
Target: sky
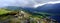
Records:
x=25, y=3
x=41, y=4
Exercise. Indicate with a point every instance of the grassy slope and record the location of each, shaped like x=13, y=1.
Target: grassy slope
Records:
x=34, y=15
x=3, y=11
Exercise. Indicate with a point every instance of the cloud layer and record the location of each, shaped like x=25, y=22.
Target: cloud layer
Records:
x=23, y=3
x=37, y=5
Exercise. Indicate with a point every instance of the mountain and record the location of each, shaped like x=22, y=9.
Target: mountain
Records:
x=13, y=8
x=50, y=8
x=30, y=9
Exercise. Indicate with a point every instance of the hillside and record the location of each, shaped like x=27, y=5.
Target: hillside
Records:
x=50, y=8
x=22, y=14
x=3, y=11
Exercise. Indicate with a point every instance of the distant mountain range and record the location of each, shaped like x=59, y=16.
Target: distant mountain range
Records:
x=48, y=8
x=51, y=8
x=20, y=8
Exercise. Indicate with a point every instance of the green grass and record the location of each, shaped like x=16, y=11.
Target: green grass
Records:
x=3, y=11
